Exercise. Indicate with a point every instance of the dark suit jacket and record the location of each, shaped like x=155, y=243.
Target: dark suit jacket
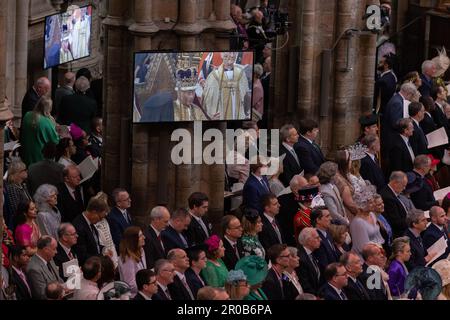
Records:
x=353, y=292
x=272, y=287
x=59, y=94
x=138, y=297
x=253, y=192
x=418, y=140
x=230, y=259
x=193, y=281
x=117, y=225
x=394, y=212
x=433, y=234
x=385, y=87
x=42, y=172
x=152, y=248
x=290, y=167
x=399, y=156
x=392, y=113
x=325, y=254
x=178, y=291
x=268, y=237
x=328, y=293
x=288, y=208
x=86, y=246
x=307, y=274
x=171, y=239
x=68, y=206
x=310, y=157
x=160, y=295
x=370, y=170
x=425, y=88
x=195, y=232
x=60, y=258
x=79, y=109
x=424, y=198
x=418, y=252
x=29, y=101
x=22, y=292
x=374, y=294
x=427, y=124
x=441, y=121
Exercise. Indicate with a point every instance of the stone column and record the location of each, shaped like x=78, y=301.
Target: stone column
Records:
x=22, y=14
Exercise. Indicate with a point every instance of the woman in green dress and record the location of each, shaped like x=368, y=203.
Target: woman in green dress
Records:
x=38, y=129
x=215, y=273
x=255, y=268
x=252, y=224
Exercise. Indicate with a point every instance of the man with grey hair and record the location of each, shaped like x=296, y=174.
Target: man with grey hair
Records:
x=78, y=108
x=309, y=272
x=355, y=289
x=119, y=217
x=65, y=90
x=423, y=198
x=67, y=238
x=417, y=223
x=428, y=70
x=401, y=154
x=395, y=211
x=291, y=163
x=437, y=230
x=41, y=87
x=154, y=247
x=165, y=272
x=396, y=109
x=179, y=289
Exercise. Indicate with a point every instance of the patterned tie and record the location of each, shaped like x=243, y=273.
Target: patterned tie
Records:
x=343, y=296
x=236, y=252
x=183, y=240
x=167, y=294
x=95, y=235
x=314, y=263
x=24, y=279
x=187, y=288
x=70, y=255
x=277, y=230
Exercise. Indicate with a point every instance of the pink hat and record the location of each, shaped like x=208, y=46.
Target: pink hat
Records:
x=75, y=132
x=213, y=243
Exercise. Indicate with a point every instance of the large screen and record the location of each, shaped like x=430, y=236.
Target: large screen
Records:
x=67, y=36
x=192, y=86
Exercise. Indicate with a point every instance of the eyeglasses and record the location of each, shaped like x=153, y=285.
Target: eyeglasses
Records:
x=153, y=282
x=169, y=270
x=71, y=234
x=238, y=227
x=286, y=256
x=340, y=275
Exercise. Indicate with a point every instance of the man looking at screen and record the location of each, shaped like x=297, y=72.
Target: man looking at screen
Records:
x=184, y=108
x=225, y=90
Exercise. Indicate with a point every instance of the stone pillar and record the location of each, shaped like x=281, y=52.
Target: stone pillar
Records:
x=22, y=14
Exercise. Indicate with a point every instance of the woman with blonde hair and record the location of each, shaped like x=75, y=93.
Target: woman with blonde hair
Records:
x=443, y=268
x=132, y=256
x=397, y=271
x=341, y=237
x=237, y=286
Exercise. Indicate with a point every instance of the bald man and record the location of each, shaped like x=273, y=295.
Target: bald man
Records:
x=41, y=87
x=66, y=89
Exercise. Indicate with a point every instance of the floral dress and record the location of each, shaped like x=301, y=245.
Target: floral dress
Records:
x=252, y=246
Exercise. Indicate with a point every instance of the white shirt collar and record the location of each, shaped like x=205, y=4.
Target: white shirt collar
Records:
x=163, y=287
x=72, y=190
x=307, y=139
x=439, y=227
x=230, y=241
x=339, y=291
x=290, y=148
x=43, y=260
x=180, y=275
x=194, y=216
x=308, y=252
x=66, y=249
x=259, y=178
x=372, y=156
x=406, y=139
x=122, y=210
x=271, y=219
x=389, y=71
x=146, y=297
x=85, y=218
x=397, y=194
x=154, y=229
x=415, y=121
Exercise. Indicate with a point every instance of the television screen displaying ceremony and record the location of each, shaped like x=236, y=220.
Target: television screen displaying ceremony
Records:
x=67, y=36
x=192, y=86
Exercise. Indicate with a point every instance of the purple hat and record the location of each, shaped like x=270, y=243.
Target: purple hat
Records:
x=75, y=132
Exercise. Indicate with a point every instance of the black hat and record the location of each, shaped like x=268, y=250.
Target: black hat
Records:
x=251, y=215
x=368, y=120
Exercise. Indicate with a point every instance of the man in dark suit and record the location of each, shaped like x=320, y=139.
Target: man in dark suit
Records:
x=67, y=238
x=179, y=289
x=46, y=171
x=393, y=112
x=165, y=272
x=289, y=206
x=327, y=253
x=71, y=199
x=395, y=212
x=173, y=236
x=309, y=273
x=154, y=247
x=255, y=188
x=41, y=87
x=417, y=223
x=274, y=285
x=427, y=124
x=232, y=233
x=418, y=140
x=337, y=279
x=370, y=167
x=423, y=198
x=374, y=259
x=428, y=70
x=88, y=243
x=146, y=284
x=19, y=263
x=291, y=162
x=355, y=289
x=41, y=269
x=265, y=81
x=78, y=108
x=308, y=151
x=401, y=154
x=436, y=230
x=199, y=229
x=439, y=95
x=65, y=89
x=119, y=218
x=271, y=233
x=197, y=262
x=386, y=84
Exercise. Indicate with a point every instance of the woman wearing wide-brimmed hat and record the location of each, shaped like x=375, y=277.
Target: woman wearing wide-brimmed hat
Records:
x=255, y=268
